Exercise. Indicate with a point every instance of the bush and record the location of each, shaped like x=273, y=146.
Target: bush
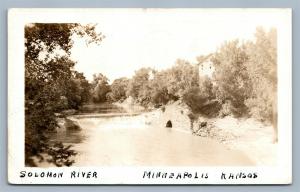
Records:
x=162, y=97
x=262, y=108
x=201, y=103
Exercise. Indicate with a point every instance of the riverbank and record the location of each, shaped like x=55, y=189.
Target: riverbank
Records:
x=240, y=137
x=246, y=135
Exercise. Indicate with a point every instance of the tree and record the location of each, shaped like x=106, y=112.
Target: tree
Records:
x=139, y=87
x=181, y=78
x=232, y=80
x=159, y=85
x=118, y=89
x=149, y=87
x=100, y=88
x=77, y=90
x=85, y=86
x=202, y=100
x=262, y=68
x=48, y=69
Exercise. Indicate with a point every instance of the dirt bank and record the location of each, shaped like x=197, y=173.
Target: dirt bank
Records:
x=247, y=135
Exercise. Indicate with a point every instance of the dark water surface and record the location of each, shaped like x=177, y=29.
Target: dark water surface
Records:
x=100, y=109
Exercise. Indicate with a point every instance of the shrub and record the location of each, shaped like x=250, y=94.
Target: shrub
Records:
x=201, y=103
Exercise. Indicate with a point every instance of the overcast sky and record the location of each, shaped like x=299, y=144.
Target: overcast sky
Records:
x=156, y=38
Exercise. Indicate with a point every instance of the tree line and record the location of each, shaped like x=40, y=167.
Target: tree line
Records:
x=243, y=84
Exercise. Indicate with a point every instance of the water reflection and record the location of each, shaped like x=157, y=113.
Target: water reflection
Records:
x=67, y=136
x=103, y=108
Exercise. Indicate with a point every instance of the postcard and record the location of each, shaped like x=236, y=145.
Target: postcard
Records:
x=149, y=96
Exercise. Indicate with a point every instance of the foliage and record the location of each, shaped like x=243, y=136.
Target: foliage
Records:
x=47, y=38
x=262, y=68
x=51, y=83
x=246, y=76
x=181, y=78
x=150, y=87
x=118, y=89
x=231, y=76
x=243, y=82
x=160, y=96
x=139, y=86
x=201, y=100
x=61, y=155
x=100, y=88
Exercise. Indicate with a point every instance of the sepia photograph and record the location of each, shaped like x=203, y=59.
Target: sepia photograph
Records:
x=153, y=90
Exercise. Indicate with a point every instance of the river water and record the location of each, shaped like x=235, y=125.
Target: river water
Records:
x=112, y=137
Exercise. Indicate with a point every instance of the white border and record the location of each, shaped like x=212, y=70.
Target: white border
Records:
x=17, y=18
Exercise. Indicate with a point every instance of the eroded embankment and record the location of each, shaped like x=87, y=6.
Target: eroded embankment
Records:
x=252, y=137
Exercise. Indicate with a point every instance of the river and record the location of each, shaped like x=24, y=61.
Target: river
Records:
x=112, y=137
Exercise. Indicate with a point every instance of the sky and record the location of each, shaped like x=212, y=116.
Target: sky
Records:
x=158, y=37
